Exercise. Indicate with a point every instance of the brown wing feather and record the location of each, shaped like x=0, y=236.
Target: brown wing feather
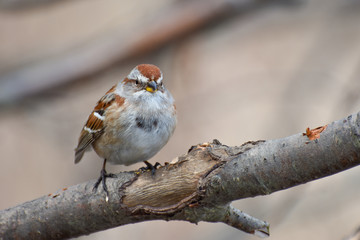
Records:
x=94, y=126
x=92, y=130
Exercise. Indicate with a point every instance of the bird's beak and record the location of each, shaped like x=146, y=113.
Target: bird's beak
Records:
x=151, y=87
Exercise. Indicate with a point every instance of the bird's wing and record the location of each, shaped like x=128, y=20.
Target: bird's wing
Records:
x=95, y=125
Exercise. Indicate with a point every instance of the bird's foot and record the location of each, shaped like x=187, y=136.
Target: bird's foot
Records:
x=102, y=178
x=149, y=166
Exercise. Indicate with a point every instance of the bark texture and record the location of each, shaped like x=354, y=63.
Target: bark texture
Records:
x=198, y=186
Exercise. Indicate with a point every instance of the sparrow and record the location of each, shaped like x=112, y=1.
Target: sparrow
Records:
x=130, y=123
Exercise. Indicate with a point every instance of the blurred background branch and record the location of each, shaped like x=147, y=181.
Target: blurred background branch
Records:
x=167, y=25
x=22, y=4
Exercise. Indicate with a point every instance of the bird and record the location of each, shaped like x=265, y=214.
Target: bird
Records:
x=130, y=123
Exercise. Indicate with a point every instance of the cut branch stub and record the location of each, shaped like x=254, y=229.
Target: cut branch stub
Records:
x=176, y=190
x=178, y=184
x=173, y=187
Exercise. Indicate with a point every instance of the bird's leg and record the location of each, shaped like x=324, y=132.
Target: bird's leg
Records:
x=102, y=178
x=151, y=167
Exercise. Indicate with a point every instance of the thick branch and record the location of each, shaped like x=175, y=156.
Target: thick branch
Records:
x=198, y=186
x=275, y=165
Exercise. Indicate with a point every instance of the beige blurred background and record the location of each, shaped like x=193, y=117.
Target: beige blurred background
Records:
x=264, y=72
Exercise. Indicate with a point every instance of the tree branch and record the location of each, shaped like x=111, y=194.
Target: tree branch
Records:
x=197, y=186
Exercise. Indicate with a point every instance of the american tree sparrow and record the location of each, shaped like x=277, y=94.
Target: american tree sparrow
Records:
x=131, y=122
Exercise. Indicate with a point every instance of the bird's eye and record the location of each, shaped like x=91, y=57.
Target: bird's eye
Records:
x=137, y=82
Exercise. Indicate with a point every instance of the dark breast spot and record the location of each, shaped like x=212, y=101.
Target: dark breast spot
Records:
x=139, y=122
x=146, y=124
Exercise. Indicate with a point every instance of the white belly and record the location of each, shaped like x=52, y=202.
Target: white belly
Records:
x=139, y=139
x=137, y=130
